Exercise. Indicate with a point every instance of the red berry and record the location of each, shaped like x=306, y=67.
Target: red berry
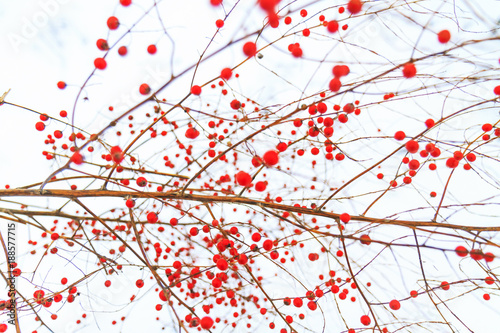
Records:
x=444, y=36
x=271, y=158
x=335, y=84
x=130, y=203
x=61, y=84
x=243, y=178
x=340, y=70
x=100, y=63
x=113, y=23
x=141, y=181
x=77, y=158
x=414, y=165
x=122, y=50
x=394, y=304
x=260, y=186
x=412, y=146
x=297, y=52
x=365, y=239
x=125, y=3
x=496, y=90
x=219, y=23
x=192, y=133
x=267, y=245
x=452, y=163
x=40, y=126
x=152, y=217
x=256, y=161
x=206, y=323
x=344, y=217
x=144, y=89
x=487, y=127
x=152, y=49
x=226, y=73
x=249, y=49
x=489, y=280
x=196, y=90
x=215, y=2
x=222, y=264
x=365, y=320
x=333, y=26
x=489, y=257
x=409, y=70
x=235, y=104
x=102, y=44
x=116, y=154
x=354, y=6
x=399, y=135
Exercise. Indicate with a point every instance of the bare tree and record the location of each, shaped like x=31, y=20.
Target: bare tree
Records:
x=242, y=166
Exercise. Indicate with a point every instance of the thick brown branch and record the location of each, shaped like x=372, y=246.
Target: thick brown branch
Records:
x=70, y=194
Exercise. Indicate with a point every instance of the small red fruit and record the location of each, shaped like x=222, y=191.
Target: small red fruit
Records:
x=394, y=304
x=144, y=89
x=196, y=90
x=249, y=49
x=102, y=44
x=444, y=36
x=412, y=146
x=409, y=70
x=113, y=23
x=130, y=203
x=235, y=104
x=271, y=158
x=141, y=181
x=206, y=323
x=100, y=63
x=354, y=6
x=260, y=186
x=116, y=154
x=226, y=73
x=152, y=49
x=192, y=133
x=77, y=158
x=399, y=135
x=344, y=217
x=335, y=85
x=365, y=320
x=333, y=26
x=122, y=50
x=152, y=217
x=243, y=178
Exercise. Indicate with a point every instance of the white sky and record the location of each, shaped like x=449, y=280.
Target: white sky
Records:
x=46, y=41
